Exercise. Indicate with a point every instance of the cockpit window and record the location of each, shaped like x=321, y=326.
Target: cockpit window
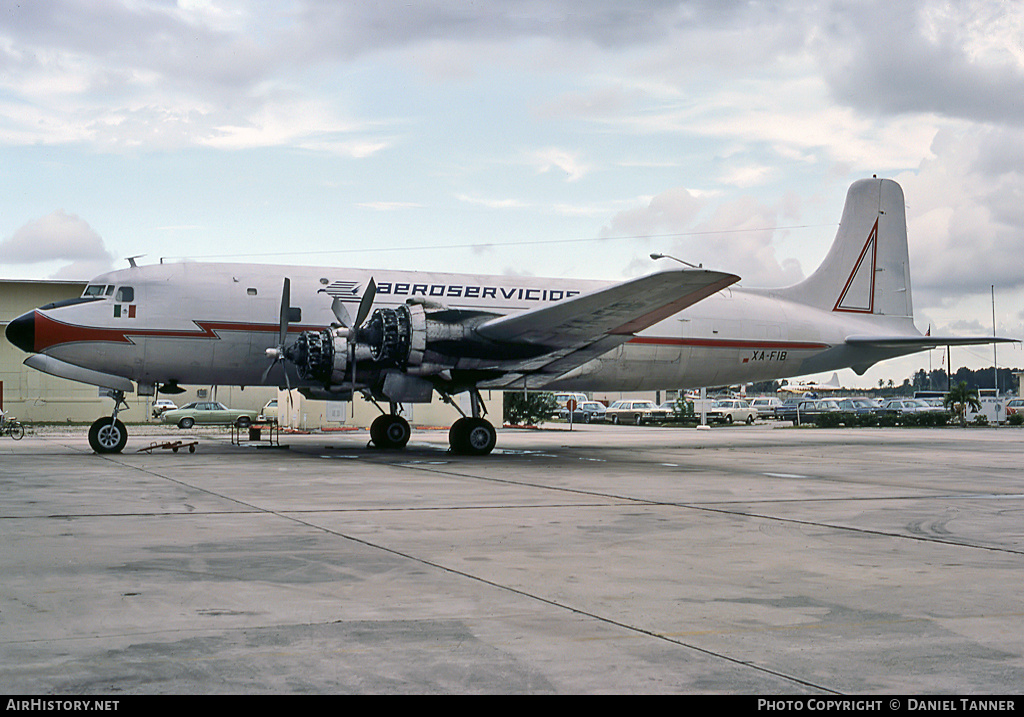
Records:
x=94, y=290
x=125, y=294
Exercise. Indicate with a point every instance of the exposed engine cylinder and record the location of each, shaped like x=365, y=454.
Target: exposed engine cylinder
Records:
x=320, y=356
x=406, y=338
x=388, y=335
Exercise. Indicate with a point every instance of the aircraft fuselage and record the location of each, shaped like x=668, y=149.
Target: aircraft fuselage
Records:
x=212, y=324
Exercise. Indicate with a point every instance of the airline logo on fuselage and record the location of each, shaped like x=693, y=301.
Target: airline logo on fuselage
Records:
x=350, y=291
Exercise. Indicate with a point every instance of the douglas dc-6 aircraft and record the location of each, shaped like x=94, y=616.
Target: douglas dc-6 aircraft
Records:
x=415, y=333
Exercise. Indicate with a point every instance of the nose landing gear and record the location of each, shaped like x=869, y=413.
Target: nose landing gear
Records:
x=107, y=434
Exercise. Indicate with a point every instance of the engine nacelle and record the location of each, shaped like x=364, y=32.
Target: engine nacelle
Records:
x=406, y=338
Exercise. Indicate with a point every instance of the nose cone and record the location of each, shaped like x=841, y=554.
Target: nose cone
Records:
x=22, y=332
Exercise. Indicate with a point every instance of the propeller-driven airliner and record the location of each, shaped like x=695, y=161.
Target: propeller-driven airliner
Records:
x=399, y=337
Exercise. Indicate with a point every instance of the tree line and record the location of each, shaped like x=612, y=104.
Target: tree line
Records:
x=922, y=380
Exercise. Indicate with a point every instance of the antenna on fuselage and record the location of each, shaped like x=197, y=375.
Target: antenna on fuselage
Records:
x=131, y=260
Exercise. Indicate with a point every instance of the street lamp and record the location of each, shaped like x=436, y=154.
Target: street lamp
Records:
x=657, y=256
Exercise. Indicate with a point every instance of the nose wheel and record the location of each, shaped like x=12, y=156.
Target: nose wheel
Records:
x=107, y=435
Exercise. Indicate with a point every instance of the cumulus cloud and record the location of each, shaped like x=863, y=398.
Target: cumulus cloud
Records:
x=58, y=237
x=959, y=60
x=965, y=208
x=738, y=236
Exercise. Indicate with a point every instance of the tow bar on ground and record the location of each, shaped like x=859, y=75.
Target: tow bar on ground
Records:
x=172, y=445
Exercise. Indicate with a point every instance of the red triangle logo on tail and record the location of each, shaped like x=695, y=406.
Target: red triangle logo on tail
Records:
x=858, y=295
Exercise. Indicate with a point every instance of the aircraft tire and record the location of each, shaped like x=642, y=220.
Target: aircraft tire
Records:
x=457, y=436
x=480, y=437
x=107, y=435
x=390, y=432
x=472, y=437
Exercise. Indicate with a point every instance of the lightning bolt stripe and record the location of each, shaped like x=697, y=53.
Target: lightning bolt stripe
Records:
x=50, y=332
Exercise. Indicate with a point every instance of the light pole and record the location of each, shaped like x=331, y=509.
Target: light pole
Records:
x=657, y=256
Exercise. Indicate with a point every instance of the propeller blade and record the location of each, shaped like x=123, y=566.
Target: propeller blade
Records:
x=366, y=303
x=266, y=372
x=341, y=313
x=286, y=303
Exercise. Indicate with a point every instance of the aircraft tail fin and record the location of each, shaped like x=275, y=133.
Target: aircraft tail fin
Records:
x=867, y=270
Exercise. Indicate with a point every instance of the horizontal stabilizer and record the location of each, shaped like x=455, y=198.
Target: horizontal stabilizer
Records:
x=924, y=342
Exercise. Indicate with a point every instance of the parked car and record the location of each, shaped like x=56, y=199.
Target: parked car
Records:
x=586, y=412
x=806, y=410
x=677, y=409
x=638, y=412
x=208, y=413
x=269, y=410
x=785, y=410
x=731, y=410
x=857, y=405
x=765, y=407
x=562, y=399
x=1014, y=405
x=161, y=405
x=908, y=405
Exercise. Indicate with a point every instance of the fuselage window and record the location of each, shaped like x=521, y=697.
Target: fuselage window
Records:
x=125, y=294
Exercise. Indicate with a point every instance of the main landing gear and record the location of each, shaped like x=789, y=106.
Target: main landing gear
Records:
x=107, y=434
x=468, y=436
x=390, y=431
x=472, y=435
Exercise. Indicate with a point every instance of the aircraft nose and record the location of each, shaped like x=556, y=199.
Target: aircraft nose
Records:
x=22, y=332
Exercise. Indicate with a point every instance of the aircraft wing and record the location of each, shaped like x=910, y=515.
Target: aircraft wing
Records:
x=923, y=342
x=578, y=329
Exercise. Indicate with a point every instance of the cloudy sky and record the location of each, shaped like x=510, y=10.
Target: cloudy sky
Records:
x=541, y=137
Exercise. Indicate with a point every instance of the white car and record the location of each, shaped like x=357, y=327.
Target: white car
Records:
x=269, y=410
x=732, y=410
x=161, y=405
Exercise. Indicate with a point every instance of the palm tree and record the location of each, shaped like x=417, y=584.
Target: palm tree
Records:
x=961, y=398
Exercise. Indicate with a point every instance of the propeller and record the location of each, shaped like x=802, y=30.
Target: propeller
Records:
x=365, y=304
x=348, y=328
x=345, y=319
x=276, y=353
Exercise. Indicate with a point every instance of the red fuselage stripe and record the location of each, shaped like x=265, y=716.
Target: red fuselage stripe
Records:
x=730, y=343
x=50, y=332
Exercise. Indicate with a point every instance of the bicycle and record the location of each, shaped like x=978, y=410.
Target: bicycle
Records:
x=12, y=427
